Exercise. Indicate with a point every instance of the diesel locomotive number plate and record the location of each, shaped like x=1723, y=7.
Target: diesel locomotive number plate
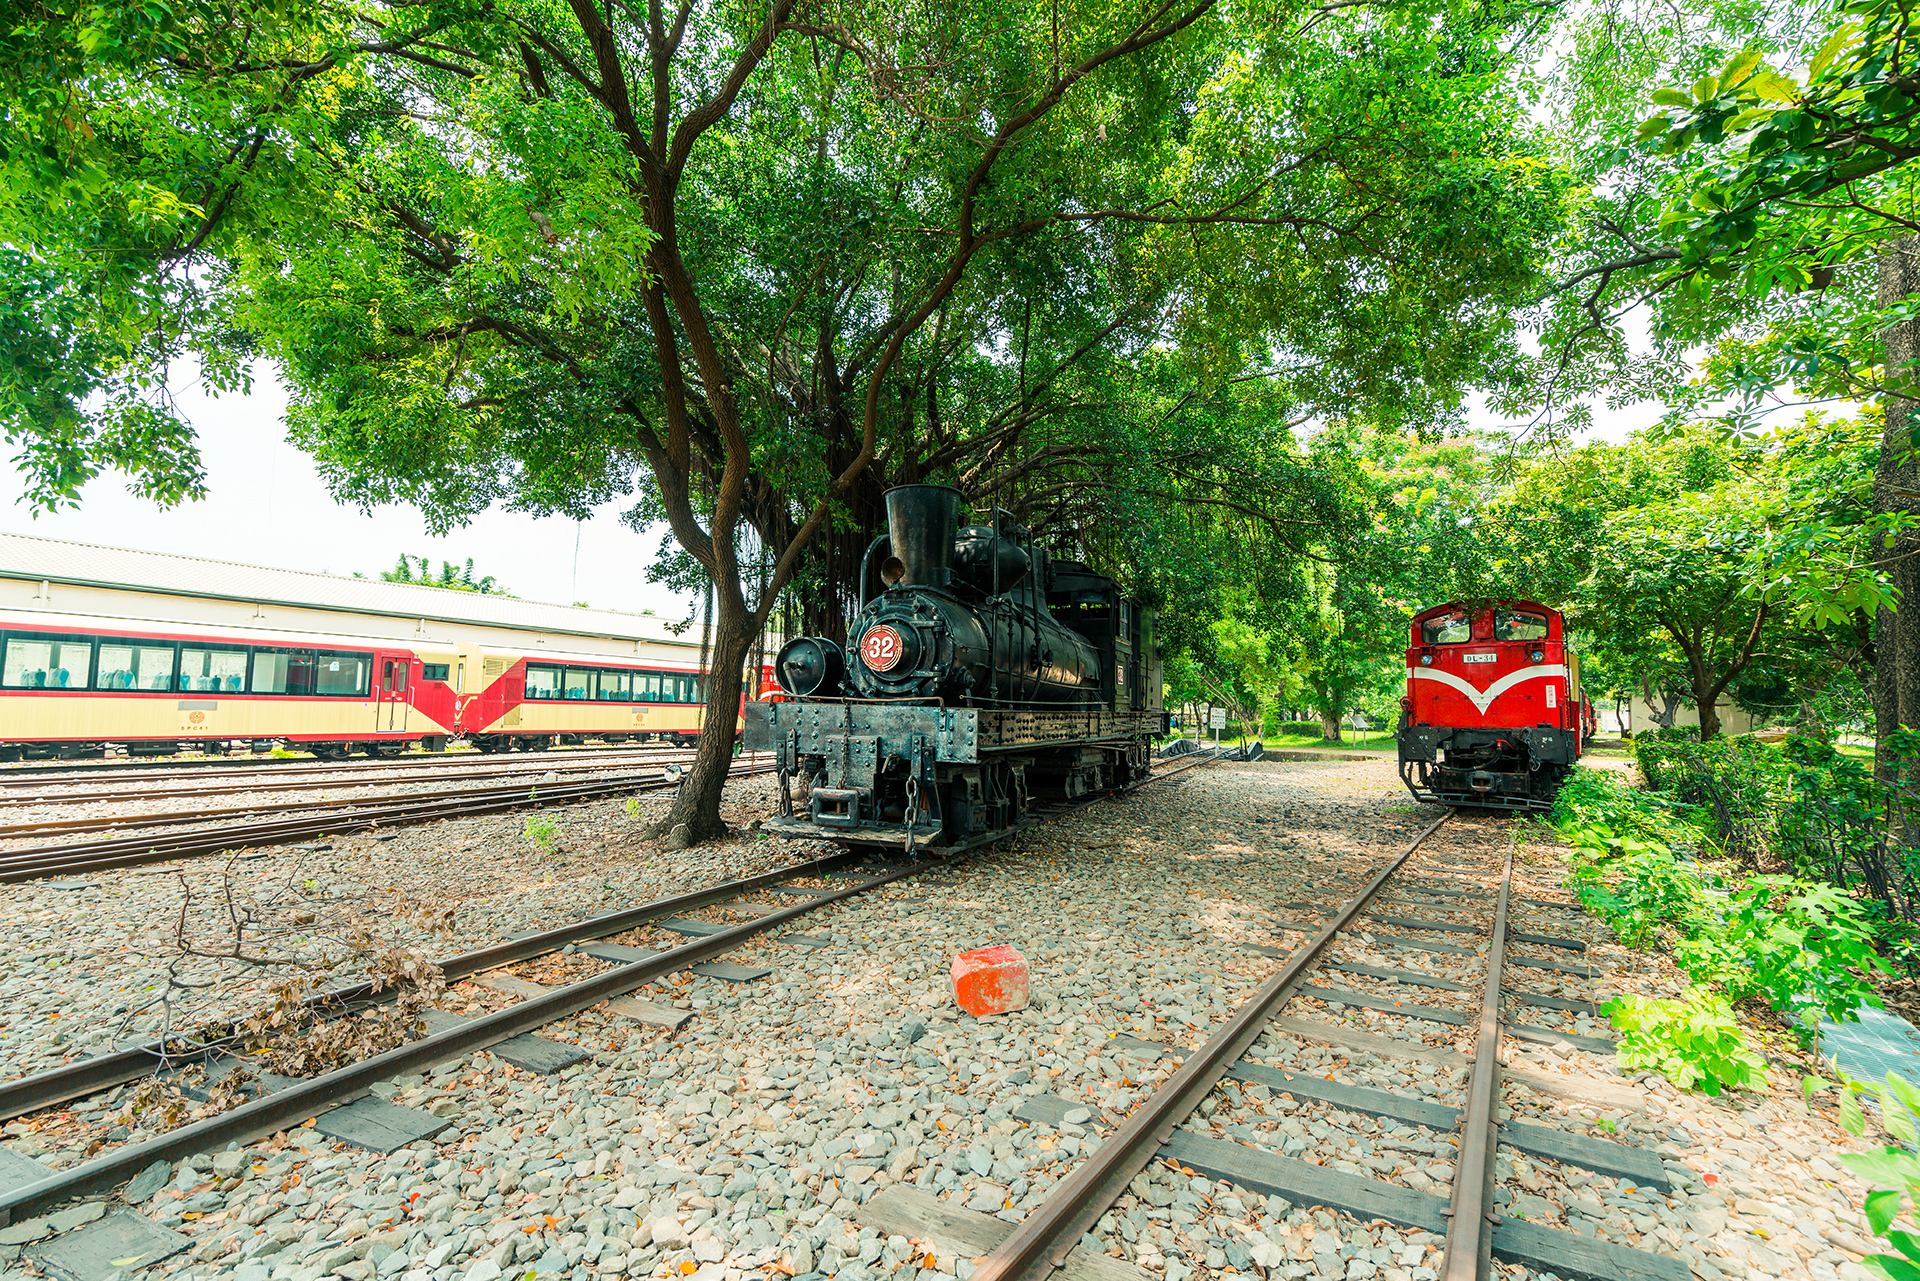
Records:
x=1469, y=658
x=880, y=648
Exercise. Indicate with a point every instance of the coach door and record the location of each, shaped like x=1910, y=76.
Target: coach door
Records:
x=391, y=702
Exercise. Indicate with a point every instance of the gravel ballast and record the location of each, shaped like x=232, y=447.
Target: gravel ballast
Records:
x=745, y=1144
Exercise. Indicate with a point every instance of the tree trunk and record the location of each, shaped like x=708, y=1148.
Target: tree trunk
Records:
x=1896, y=488
x=1704, y=690
x=698, y=802
x=1330, y=726
x=1709, y=722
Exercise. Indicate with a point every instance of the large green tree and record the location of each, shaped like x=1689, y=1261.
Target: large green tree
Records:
x=769, y=255
x=1764, y=209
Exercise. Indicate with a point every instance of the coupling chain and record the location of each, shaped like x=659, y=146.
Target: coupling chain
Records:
x=912, y=815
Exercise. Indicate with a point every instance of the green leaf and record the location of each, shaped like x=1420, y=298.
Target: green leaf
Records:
x=1828, y=51
x=1882, y=1208
x=1738, y=66
x=1889, y=1268
x=1894, y=1166
x=1852, y=1119
x=1671, y=98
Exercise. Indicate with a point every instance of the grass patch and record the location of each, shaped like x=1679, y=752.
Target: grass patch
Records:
x=1350, y=740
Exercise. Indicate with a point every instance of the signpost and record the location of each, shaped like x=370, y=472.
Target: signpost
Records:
x=1217, y=720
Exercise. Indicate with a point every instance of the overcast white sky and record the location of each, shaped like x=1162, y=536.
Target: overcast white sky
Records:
x=266, y=505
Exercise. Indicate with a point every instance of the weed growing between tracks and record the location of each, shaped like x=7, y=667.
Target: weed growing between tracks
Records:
x=309, y=935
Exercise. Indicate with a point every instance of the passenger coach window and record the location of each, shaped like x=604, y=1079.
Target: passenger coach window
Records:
x=433, y=671
x=213, y=671
x=1517, y=626
x=576, y=684
x=616, y=687
x=305, y=673
x=1454, y=629
x=342, y=675
x=134, y=666
x=543, y=682
x=47, y=662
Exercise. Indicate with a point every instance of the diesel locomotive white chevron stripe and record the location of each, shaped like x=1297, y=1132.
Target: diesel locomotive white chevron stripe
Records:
x=1483, y=699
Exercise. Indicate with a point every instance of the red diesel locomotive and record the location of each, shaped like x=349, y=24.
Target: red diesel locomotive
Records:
x=1493, y=715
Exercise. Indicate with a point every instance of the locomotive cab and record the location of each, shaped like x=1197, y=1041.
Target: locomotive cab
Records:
x=1493, y=715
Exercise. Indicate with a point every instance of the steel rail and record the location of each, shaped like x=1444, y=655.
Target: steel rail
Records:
x=94, y=856
x=288, y=1107
x=434, y=774
x=1045, y=1237
x=174, y=818
x=1470, y=1215
x=54, y=1086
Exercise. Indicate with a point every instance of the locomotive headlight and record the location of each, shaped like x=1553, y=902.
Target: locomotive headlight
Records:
x=1426, y=660
x=1537, y=656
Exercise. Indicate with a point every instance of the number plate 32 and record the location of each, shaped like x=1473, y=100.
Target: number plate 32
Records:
x=880, y=648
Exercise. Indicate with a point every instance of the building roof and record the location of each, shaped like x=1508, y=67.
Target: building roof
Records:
x=23, y=556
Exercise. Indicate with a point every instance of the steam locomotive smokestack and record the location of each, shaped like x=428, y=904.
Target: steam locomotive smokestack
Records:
x=921, y=522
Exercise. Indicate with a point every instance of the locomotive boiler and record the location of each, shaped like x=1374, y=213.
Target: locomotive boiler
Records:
x=984, y=676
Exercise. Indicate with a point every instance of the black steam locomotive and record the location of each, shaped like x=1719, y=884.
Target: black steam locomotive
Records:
x=985, y=677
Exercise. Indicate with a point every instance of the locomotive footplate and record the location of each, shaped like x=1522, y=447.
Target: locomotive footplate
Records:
x=927, y=842
x=1508, y=769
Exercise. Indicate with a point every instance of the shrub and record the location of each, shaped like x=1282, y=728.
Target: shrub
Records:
x=1807, y=948
x=1652, y=889
x=1739, y=785
x=1842, y=824
x=1596, y=809
x=1694, y=1042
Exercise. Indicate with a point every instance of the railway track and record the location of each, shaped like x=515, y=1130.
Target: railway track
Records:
x=289, y=1104
x=85, y=857
x=32, y=776
x=14, y=831
x=1477, y=1235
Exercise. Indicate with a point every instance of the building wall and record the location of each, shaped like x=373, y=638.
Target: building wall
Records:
x=1640, y=718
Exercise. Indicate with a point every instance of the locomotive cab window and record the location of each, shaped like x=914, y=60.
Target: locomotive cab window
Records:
x=1453, y=629
x=1519, y=625
x=47, y=662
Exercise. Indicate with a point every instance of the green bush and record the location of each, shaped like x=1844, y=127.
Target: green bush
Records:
x=1843, y=825
x=1694, y=1042
x=1596, y=808
x=1651, y=889
x=1298, y=727
x=1806, y=947
x=1739, y=785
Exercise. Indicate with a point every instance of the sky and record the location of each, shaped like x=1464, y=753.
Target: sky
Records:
x=266, y=505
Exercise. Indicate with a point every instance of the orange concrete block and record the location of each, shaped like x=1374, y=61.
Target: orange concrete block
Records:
x=992, y=980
